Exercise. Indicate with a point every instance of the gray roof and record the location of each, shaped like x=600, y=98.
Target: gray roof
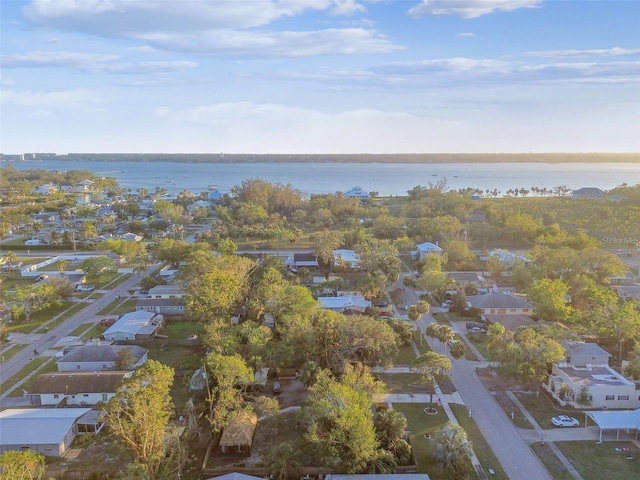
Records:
x=72, y=383
x=582, y=348
x=27, y=426
x=595, y=376
x=133, y=323
x=497, y=300
x=160, y=302
x=466, y=277
x=236, y=476
x=102, y=353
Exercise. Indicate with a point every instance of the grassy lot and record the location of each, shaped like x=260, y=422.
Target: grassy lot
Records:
x=481, y=448
x=508, y=406
x=179, y=329
x=119, y=307
x=61, y=318
x=185, y=361
x=12, y=351
x=117, y=281
x=551, y=462
x=480, y=340
x=542, y=408
x=597, y=461
x=401, y=383
x=81, y=328
x=38, y=319
x=13, y=281
x=420, y=425
x=405, y=356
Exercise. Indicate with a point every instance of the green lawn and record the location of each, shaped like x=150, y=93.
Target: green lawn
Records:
x=12, y=351
x=480, y=340
x=542, y=408
x=48, y=368
x=81, y=328
x=481, y=448
x=551, y=462
x=119, y=307
x=420, y=425
x=599, y=461
x=405, y=356
x=180, y=329
x=38, y=319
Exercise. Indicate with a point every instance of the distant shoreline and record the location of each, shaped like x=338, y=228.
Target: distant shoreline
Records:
x=336, y=158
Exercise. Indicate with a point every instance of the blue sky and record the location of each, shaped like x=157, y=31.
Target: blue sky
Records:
x=320, y=76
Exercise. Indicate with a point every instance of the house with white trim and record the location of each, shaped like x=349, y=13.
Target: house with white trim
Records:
x=49, y=431
x=74, y=388
x=500, y=304
x=133, y=326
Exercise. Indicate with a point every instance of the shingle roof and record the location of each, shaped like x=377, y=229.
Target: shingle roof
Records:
x=72, y=383
x=497, y=300
x=102, y=353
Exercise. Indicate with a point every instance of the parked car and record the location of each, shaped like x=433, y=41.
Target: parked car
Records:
x=107, y=322
x=85, y=288
x=447, y=304
x=476, y=326
x=41, y=277
x=276, y=388
x=565, y=421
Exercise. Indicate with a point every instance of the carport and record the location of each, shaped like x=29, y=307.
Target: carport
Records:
x=615, y=420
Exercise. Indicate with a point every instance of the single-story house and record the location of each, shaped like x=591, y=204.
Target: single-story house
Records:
x=347, y=258
x=45, y=189
x=345, y=302
x=95, y=358
x=166, y=291
x=581, y=354
x=298, y=260
x=500, y=304
x=425, y=248
x=605, y=387
x=357, y=192
x=84, y=186
x=237, y=436
x=131, y=237
x=198, y=204
x=49, y=431
x=165, y=306
x=74, y=388
x=507, y=257
x=469, y=278
x=134, y=325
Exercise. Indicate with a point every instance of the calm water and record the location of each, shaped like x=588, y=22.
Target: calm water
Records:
x=387, y=179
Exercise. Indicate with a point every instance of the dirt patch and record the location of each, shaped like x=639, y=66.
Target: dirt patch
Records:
x=292, y=392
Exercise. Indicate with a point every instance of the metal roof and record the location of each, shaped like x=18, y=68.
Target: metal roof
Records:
x=26, y=426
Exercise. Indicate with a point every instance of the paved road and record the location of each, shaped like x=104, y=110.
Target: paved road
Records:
x=513, y=453
x=46, y=341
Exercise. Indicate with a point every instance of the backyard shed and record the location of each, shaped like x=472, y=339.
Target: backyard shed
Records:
x=237, y=437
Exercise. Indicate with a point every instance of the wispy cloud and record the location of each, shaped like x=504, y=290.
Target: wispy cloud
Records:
x=596, y=52
x=44, y=59
x=468, y=35
x=68, y=98
x=468, y=8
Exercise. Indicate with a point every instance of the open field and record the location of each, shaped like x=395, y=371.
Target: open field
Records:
x=601, y=461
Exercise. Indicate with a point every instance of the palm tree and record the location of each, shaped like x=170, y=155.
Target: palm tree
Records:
x=62, y=265
x=457, y=350
x=453, y=451
x=445, y=334
x=432, y=332
x=10, y=258
x=282, y=461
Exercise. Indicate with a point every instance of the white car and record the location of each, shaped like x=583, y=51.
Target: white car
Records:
x=85, y=288
x=565, y=421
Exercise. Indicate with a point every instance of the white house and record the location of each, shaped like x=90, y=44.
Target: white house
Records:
x=96, y=358
x=581, y=354
x=74, y=388
x=345, y=302
x=84, y=186
x=49, y=431
x=131, y=237
x=426, y=248
x=134, y=325
x=604, y=387
x=500, y=304
x=45, y=189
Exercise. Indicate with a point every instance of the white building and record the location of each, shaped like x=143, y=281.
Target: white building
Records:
x=426, y=248
x=345, y=302
x=49, y=431
x=357, y=192
x=74, y=388
x=134, y=325
x=346, y=257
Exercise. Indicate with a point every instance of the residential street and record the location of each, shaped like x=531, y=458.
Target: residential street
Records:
x=513, y=453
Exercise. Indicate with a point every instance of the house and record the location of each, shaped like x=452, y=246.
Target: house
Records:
x=197, y=204
x=45, y=189
x=588, y=192
x=604, y=387
x=237, y=436
x=49, y=431
x=507, y=257
x=74, y=388
x=164, y=299
x=131, y=237
x=426, y=248
x=345, y=302
x=357, y=192
x=469, y=278
x=298, y=260
x=134, y=326
x=581, y=354
x=96, y=358
x=347, y=258
x=500, y=304
x=84, y=186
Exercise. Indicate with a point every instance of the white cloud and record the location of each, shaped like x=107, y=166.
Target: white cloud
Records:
x=247, y=126
x=468, y=35
x=42, y=115
x=468, y=8
x=215, y=27
x=142, y=68
x=54, y=59
x=68, y=98
x=6, y=81
x=598, y=52
x=276, y=44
